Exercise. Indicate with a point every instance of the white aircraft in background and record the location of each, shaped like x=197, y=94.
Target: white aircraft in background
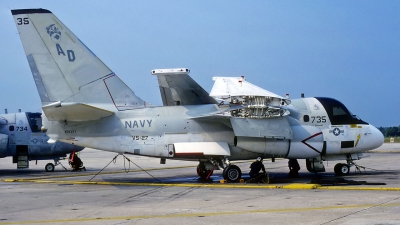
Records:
x=21, y=138
x=86, y=104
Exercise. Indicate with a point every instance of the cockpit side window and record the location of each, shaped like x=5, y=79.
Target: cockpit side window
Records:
x=338, y=113
x=35, y=121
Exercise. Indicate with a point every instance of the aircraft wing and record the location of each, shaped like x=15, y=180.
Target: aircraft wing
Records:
x=257, y=103
x=178, y=88
x=221, y=112
x=225, y=87
x=74, y=112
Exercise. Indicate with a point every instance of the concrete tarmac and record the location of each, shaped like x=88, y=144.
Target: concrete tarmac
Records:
x=172, y=193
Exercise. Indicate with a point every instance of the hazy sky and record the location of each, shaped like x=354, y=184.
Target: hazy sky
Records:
x=348, y=50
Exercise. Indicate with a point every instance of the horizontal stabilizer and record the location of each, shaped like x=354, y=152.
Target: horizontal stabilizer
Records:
x=74, y=112
x=196, y=149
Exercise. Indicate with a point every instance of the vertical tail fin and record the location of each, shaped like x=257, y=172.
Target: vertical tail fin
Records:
x=178, y=88
x=64, y=69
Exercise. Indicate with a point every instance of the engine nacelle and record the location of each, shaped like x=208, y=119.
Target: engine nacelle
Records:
x=267, y=146
x=307, y=143
x=3, y=145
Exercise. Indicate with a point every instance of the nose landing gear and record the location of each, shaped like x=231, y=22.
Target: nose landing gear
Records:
x=341, y=169
x=50, y=166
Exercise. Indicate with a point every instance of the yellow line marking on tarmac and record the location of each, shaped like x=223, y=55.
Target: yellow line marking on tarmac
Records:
x=83, y=174
x=204, y=214
x=294, y=186
x=358, y=188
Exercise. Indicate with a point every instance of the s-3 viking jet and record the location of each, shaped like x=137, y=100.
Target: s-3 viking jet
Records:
x=86, y=104
x=21, y=138
x=266, y=117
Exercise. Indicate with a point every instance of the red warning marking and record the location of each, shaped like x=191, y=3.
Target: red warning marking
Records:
x=313, y=136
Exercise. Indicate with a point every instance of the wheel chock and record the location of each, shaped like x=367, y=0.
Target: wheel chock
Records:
x=223, y=181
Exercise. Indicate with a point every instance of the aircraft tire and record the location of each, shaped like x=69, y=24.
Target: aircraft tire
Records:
x=49, y=167
x=232, y=173
x=203, y=172
x=341, y=169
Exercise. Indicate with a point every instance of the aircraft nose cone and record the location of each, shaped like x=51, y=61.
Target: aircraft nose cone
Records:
x=375, y=137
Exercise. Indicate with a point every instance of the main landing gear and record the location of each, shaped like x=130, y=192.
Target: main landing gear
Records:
x=231, y=173
x=204, y=171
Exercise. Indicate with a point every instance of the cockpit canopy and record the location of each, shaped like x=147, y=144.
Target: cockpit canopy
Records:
x=338, y=113
x=35, y=121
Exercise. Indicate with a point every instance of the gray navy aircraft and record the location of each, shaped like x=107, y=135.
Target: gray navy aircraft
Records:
x=85, y=103
x=22, y=139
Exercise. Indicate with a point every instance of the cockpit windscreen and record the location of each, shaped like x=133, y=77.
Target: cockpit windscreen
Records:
x=338, y=113
x=35, y=121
